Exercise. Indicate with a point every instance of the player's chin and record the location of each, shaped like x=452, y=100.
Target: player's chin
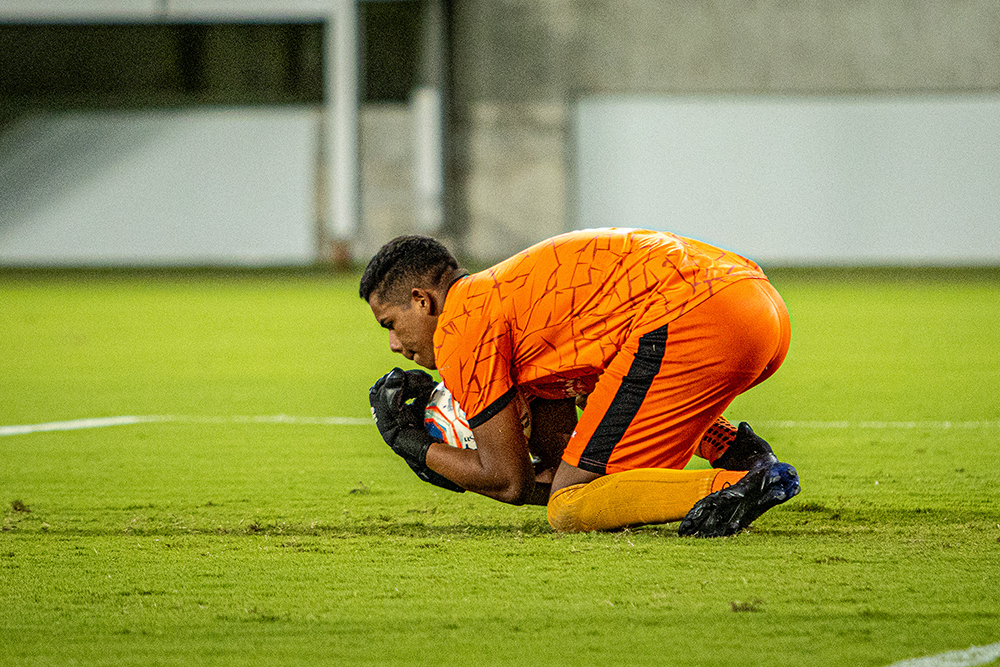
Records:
x=423, y=360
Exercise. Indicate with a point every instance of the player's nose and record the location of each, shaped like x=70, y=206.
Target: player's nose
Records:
x=394, y=343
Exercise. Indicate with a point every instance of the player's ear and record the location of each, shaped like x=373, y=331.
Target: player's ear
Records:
x=423, y=299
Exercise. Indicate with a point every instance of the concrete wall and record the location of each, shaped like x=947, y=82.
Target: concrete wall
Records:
x=793, y=46
x=522, y=65
x=522, y=68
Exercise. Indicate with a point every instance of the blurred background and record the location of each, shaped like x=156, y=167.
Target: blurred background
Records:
x=302, y=132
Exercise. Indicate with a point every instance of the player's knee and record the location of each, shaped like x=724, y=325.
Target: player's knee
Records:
x=561, y=510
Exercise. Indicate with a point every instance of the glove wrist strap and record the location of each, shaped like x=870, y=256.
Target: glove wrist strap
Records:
x=412, y=443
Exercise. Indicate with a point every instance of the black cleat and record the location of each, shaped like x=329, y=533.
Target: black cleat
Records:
x=734, y=508
x=747, y=449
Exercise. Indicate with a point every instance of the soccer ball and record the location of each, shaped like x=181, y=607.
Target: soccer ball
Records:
x=445, y=419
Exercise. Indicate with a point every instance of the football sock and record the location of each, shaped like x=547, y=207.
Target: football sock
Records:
x=634, y=497
x=716, y=440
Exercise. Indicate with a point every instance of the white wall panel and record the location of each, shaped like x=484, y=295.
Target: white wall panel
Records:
x=230, y=187
x=145, y=10
x=91, y=10
x=251, y=9
x=799, y=180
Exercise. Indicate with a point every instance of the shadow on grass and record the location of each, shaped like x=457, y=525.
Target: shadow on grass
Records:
x=803, y=519
x=377, y=527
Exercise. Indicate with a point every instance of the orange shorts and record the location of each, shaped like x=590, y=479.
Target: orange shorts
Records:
x=665, y=387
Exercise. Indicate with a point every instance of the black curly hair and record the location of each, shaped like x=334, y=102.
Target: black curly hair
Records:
x=402, y=263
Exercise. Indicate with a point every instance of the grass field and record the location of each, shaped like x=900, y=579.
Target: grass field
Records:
x=214, y=537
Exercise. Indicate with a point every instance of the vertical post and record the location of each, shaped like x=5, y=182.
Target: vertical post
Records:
x=428, y=162
x=427, y=107
x=339, y=134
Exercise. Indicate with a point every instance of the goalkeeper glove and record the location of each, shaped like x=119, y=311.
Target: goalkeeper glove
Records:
x=398, y=400
x=434, y=478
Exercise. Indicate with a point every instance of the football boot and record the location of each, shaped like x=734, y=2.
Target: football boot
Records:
x=734, y=508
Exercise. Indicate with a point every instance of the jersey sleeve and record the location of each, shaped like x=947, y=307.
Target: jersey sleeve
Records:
x=473, y=351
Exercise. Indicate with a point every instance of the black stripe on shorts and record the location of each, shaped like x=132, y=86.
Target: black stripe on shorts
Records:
x=626, y=403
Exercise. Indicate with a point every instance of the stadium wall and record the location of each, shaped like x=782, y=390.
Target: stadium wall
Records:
x=523, y=75
x=798, y=180
x=524, y=68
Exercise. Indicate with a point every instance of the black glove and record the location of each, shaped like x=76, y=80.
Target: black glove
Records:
x=395, y=406
x=398, y=400
x=434, y=478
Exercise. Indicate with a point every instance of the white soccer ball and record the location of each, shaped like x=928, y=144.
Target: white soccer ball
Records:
x=445, y=419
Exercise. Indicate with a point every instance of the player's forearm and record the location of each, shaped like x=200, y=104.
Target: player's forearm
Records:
x=513, y=484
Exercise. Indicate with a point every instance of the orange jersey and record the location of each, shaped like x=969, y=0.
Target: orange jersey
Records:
x=550, y=319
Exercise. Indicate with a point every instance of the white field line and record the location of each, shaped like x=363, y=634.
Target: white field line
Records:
x=976, y=655
x=891, y=425
x=124, y=420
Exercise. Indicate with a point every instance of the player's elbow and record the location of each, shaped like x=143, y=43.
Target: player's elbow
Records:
x=516, y=491
x=514, y=496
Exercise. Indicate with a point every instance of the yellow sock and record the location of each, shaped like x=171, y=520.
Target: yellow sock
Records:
x=634, y=497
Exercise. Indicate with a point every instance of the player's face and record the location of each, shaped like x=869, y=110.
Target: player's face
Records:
x=410, y=325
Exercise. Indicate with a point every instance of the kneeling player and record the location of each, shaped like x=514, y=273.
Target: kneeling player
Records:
x=658, y=332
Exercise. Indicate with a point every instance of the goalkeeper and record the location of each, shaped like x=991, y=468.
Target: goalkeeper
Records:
x=654, y=334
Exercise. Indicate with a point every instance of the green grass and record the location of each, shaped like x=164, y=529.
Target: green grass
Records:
x=229, y=543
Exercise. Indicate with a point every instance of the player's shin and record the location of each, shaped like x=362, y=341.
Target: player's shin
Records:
x=633, y=497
